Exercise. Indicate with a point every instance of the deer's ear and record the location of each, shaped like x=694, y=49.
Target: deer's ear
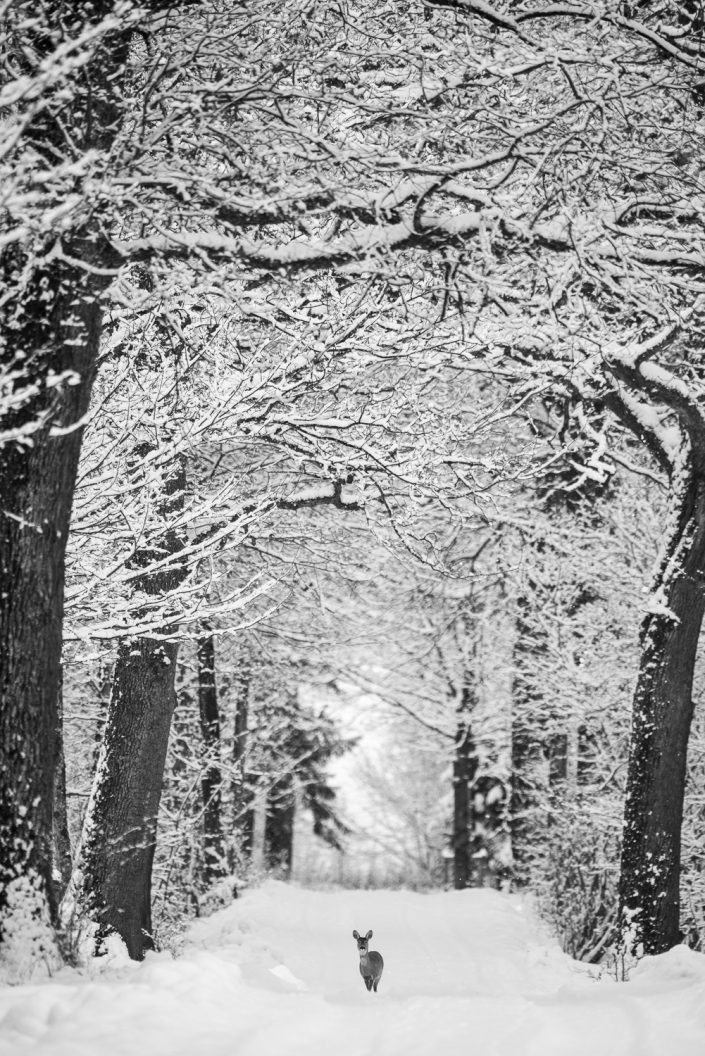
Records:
x=355, y=935
x=368, y=935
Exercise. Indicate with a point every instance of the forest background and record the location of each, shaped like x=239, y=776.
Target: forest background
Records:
x=352, y=361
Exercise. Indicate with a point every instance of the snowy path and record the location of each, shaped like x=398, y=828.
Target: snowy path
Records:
x=276, y=975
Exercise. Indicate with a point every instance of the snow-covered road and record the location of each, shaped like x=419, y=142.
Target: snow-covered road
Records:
x=277, y=974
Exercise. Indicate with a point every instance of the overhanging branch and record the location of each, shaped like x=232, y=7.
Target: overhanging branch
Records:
x=682, y=52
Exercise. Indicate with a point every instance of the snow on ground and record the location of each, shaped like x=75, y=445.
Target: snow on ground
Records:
x=276, y=974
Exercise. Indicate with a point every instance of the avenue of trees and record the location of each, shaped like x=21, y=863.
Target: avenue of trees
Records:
x=350, y=345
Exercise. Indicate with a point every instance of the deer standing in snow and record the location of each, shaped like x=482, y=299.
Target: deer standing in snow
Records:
x=371, y=962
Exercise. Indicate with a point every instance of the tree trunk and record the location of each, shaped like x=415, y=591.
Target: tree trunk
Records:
x=120, y=832
x=49, y=341
x=114, y=879
x=37, y=484
x=61, y=843
x=211, y=778
x=464, y=772
x=243, y=815
x=662, y=714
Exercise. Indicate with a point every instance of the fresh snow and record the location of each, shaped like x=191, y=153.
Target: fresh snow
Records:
x=470, y=973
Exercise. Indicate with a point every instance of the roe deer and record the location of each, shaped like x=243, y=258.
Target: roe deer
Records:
x=371, y=963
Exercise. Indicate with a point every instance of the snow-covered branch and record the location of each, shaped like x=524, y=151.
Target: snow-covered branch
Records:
x=637, y=373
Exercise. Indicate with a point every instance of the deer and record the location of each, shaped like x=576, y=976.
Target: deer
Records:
x=371, y=962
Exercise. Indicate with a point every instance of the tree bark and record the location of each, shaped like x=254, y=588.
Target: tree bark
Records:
x=114, y=876
x=62, y=862
x=49, y=342
x=662, y=715
x=464, y=772
x=211, y=778
x=243, y=816
x=36, y=484
x=120, y=832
